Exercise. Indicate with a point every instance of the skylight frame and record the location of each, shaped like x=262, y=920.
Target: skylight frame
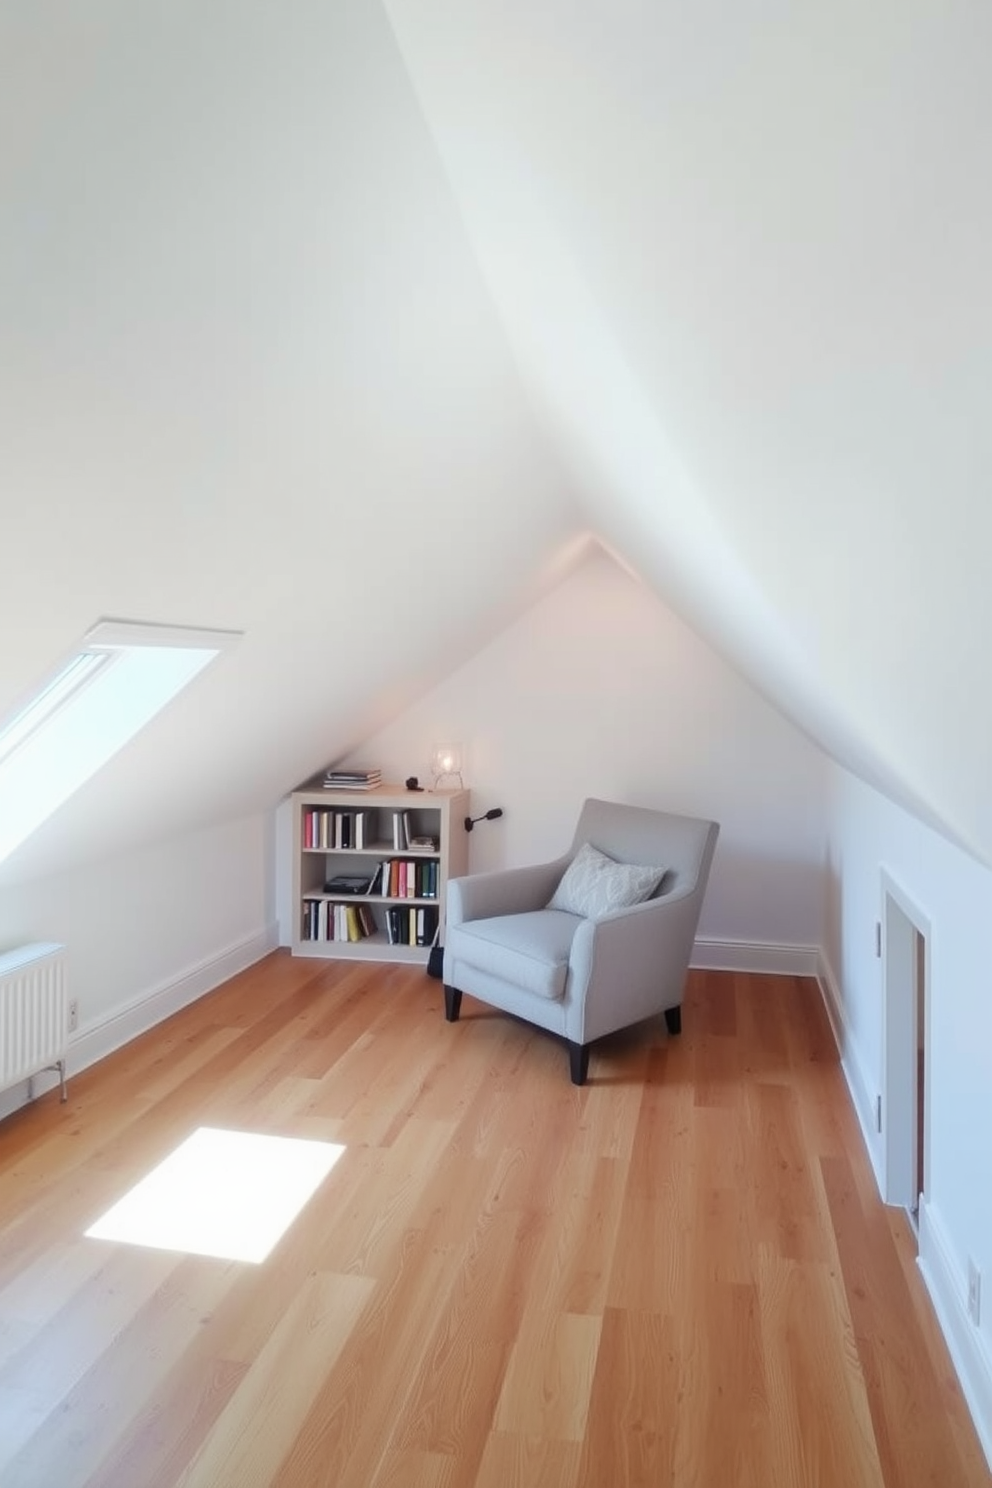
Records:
x=41, y=762
x=55, y=694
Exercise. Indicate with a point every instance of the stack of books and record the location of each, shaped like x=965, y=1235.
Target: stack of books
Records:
x=356, y=778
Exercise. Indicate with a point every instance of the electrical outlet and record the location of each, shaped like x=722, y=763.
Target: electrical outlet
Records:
x=73, y=1016
x=974, y=1292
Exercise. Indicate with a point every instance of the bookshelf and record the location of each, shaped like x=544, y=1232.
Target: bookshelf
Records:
x=395, y=894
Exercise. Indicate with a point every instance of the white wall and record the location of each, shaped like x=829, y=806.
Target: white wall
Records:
x=151, y=930
x=600, y=690
x=868, y=834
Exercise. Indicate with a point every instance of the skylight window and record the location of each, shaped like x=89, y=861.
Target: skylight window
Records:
x=121, y=676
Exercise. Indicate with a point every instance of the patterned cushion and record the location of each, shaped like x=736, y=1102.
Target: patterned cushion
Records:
x=593, y=885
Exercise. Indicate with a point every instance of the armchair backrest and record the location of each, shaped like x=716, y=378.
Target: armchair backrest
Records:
x=683, y=845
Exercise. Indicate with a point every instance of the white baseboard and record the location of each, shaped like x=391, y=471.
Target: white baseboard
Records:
x=862, y=1096
x=948, y=1290
x=947, y=1287
x=16, y=1096
x=711, y=954
x=101, y=1037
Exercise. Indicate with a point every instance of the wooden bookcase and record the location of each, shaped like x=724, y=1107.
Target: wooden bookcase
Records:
x=324, y=820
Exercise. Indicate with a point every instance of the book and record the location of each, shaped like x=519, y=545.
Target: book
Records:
x=318, y=828
x=427, y=926
x=356, y=778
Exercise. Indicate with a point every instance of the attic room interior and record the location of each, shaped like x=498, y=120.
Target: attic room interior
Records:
x=604, y=388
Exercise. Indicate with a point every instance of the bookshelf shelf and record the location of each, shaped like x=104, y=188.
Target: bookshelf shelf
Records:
x=376, y=849
x=392, y=925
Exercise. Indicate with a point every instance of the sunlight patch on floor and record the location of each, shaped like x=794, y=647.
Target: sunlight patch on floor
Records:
x=221, y=1193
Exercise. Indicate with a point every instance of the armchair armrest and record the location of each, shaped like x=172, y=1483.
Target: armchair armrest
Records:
x=506, y=891
x=630, y=964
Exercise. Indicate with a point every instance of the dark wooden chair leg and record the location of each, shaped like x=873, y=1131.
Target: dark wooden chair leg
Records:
x=578, y=1061
x=452, y=1003
x=673, y=1019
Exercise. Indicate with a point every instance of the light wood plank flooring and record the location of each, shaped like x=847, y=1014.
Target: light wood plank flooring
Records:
x=679, y=1274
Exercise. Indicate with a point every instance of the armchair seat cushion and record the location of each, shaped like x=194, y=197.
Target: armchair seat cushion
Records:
x=529, y=950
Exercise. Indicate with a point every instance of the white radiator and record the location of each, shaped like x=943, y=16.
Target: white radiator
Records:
x=34, y=1013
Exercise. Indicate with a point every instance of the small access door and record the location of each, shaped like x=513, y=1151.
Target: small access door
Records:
x=905, y=977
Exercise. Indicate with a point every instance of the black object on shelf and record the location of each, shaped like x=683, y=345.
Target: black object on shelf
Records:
x=347, y=883
x=490, y=815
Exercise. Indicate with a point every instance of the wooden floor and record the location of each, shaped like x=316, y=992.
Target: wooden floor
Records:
x=679, y=1274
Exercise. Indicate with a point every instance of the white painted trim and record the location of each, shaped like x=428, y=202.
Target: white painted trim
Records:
x=946, y=1285
x=115, y=633
x=94, y=1041
x=712, y=954
x=862, y=1097
x=98, y=1039
x=949, y=1293
x=832, y=1001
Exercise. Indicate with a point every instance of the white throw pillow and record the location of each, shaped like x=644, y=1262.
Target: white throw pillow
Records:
x=593, y=885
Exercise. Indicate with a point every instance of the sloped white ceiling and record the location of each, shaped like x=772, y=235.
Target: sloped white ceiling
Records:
x=250, y=377
x=340, y=325
x=741, y=254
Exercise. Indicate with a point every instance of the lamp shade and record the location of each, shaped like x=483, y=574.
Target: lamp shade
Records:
x=446, y=762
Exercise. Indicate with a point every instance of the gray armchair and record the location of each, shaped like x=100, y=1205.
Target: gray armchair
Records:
x=577, y=976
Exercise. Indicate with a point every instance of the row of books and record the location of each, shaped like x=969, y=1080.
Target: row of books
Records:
x=356, y=778
x=410, y=926
x=323, y=920
x=404, y=924
x=405, y=878
x=327, y=830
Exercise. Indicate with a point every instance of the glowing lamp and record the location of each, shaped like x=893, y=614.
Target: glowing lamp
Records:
x=446, y=764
